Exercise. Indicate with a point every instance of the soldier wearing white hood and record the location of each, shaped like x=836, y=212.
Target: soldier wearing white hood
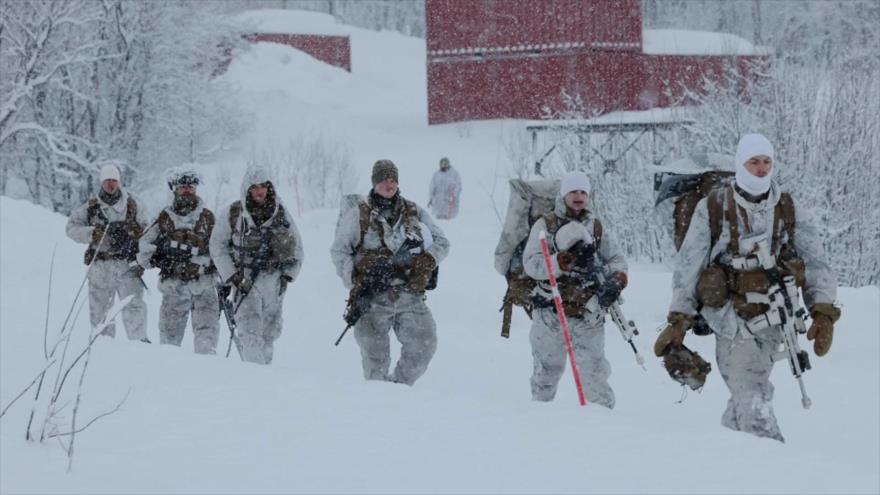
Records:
x=368, y=240
x=445, y=191
x=257, y=250
x=727, y=227
x=583, y=255
x=177, y=243
x=111, y=223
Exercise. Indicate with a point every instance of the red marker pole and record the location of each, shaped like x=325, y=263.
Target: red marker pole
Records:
x=563, y=322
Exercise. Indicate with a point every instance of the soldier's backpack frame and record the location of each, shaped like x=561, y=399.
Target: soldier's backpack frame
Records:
x=528, y=201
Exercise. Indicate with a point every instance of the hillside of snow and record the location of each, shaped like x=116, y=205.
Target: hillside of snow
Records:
x=309, y=423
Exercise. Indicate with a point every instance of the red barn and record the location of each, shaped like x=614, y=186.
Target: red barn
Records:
x=490, y=59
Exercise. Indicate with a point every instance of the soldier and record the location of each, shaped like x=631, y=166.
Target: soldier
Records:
x=177, y=243
x=391, y=246
x=586, y=263
x=111, y=223
x=728, y=229
x=258, y=251
x=445, y=191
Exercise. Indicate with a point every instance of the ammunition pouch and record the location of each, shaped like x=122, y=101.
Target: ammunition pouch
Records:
x=712, y=287
x=745, y=282
x=574, y=296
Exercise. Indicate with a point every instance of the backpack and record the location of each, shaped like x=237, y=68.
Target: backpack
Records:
x=687, y=181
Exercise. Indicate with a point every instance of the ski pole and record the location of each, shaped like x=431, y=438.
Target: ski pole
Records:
x=563, y=322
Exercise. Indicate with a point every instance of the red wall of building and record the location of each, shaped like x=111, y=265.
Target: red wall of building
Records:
x=489, y=59
x=454, y=24
x=333, y=50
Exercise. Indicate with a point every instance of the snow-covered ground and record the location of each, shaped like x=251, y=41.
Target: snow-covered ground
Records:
x=309, y=423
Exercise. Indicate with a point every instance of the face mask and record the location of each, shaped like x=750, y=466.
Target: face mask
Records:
x=752, y=184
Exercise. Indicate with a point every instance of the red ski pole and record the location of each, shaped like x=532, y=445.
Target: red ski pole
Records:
x=563, y=322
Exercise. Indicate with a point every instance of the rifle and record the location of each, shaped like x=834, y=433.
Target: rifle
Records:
x=785, y=312
x=376, y=279
x=228, y=310
x=627, y=327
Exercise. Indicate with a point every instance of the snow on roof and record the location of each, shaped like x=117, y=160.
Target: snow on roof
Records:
x=652, y=116
x=291, y=22
x=683, y=42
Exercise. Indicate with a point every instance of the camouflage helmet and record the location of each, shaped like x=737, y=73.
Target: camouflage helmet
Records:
x=686, y=367
x=182, y=177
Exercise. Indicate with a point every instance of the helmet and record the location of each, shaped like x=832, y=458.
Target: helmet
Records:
x=686, y=367
x=183, y=177
x=444, y=163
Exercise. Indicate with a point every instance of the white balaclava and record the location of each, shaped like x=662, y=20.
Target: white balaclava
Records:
x=574, y=181
x=751, y=145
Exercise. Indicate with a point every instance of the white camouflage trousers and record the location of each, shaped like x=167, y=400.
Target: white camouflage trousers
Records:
x=258, y=319
x=414, y=327
x=109, y=278
x=550, y=357
x=179, y=299
x=745, y=364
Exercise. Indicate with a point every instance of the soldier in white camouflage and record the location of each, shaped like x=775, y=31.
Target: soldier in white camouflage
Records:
x=727, y=227
x=258, y=251
x=111, y=223
x=586, y=263
x=391, y=246
x=177, y=244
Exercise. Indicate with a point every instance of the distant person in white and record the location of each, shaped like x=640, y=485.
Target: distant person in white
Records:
x=111, y=223
x=445, y=191
x=765, y=216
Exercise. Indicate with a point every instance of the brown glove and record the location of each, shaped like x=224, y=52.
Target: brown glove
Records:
x=822, y=330
x=423, y=265
x=673, y=335
x=97, y=234
x=565, y=259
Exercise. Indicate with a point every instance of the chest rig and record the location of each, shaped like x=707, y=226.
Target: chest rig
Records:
x=733, y=276
x=178, y=249
x=121, y=237
x=576, y=287
x=264, y=248
x=398, y=261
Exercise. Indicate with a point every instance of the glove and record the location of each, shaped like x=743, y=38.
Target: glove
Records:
x=822, y=329
x=97, y=234
x=584, y=256
x=610, y=290
x=565, y=260
x=569, y=234
x=422, y=266
x=135, y=269
x=673, y=335
x=242, y=283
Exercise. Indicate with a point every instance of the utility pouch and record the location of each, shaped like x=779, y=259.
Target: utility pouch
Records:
x=574, y=298
x=712, y=287
x=747, y=310
x=751, y=281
